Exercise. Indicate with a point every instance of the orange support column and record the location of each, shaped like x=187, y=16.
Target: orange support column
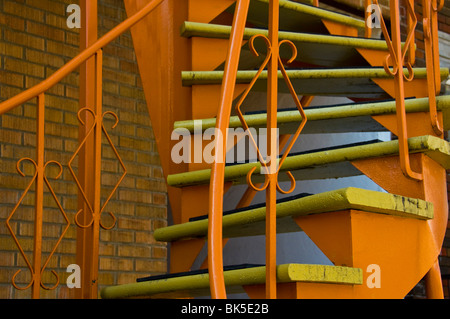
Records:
x=84, y=257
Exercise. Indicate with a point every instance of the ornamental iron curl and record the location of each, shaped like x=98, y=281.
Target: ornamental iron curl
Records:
x=96, y=212
x=39, y=179
x=264, y=163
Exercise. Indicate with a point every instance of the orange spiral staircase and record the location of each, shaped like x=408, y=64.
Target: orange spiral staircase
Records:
x=211, y=65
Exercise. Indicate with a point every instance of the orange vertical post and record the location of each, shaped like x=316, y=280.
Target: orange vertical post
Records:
x=368, y=30
x=411, y=24
x=271, y=191
x=432, y=62
x=39, y=203
x=84, y=253
x=400, y=92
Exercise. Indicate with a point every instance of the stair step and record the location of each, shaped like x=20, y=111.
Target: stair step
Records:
x=195, y=272
x=251, y=222
x=355, y=117
x=323, y=164
x=297, y=16
x=255, y=206
x=318, y=150
x=196, y=285
x=309, y=2
x=348, y=82
x=315, y=49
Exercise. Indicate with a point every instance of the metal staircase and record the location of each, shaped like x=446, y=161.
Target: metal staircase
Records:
x=208, y=66
x=323, y=53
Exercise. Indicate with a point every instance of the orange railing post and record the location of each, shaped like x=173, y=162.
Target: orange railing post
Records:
x=367, y=15
x=272, y=152
x=39, y=203
x=87, y=165
x=91, y=208
x=411, y=22
x=430, y=20
x=397, y=56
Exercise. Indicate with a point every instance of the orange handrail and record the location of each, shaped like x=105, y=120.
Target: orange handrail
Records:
x=215, y=258
x=78, y=60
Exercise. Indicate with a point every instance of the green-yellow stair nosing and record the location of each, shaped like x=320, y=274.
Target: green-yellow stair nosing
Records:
x=436, y=148
x=196, y=29
x=331, y=201
x=215, y=77
x=321, y=274
x=321, y=13
x=323, y=113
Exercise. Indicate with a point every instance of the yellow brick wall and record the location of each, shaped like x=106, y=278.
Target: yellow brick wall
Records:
x=34, y=42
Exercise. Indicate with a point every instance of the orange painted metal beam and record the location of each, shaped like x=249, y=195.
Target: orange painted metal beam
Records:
x=87, y=162
x=38, y=222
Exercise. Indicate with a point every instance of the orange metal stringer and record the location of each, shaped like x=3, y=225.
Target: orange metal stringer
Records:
x=303, y=290
x=415, y=121
x=206, y=10
x=339, y=29
x=431, y=189
x=360, y=239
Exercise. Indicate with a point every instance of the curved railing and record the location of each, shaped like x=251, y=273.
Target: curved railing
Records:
x=270, y=164
x=215, y=238
x=78, y=60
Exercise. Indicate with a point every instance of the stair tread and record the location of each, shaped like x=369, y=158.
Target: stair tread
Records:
x=195, y=272
x=315, y=49
x=354, y=117
x=251, y=222
x=325, y=164
x=198, y=284
x=197, y=29
x=255, y=206
x=348, y=82
x=317, y=150
x=298, y=16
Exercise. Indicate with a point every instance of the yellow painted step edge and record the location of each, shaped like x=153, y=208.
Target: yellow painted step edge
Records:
x=239, y=277
x=195, y=29
x=337, y=200
x=436, y=148
x=320, y=13
x=325, y=113
x=190, y=78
